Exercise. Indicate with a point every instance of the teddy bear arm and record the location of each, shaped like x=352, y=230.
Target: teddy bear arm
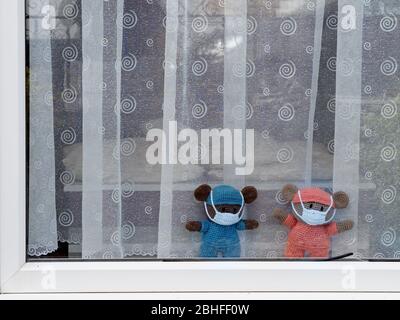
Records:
x=280, y=215
x=250, y=224
x=344, y=225
x=193, y=226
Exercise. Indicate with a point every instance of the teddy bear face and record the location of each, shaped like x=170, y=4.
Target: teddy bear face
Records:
x=202, y=192
x=315, y=206
x=339, y=200
x=233, y=209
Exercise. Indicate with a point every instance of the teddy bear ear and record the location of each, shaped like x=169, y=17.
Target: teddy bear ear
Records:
x=341, y=199
x=249, y=194
x=289, y=191
x=201, y=193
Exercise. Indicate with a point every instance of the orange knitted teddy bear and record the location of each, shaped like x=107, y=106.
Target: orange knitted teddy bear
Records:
x=311, y=226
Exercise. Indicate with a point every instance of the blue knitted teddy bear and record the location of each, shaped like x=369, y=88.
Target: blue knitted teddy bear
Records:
x=224, y=206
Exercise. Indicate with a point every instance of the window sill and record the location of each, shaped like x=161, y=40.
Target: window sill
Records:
x=125, y=277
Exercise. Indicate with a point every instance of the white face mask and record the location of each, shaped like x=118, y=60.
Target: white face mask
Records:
x=225, y=218
x=313, y=217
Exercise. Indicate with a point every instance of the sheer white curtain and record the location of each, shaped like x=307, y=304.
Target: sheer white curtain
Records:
x=234, y=65
x=283, y=50
x=101, y=211
x=89, y=183
x=42, y=217
x=110, y=226
x=242, y=66
x=206, y=54
x=347, y=119
x=316, y=80
x=367, y=125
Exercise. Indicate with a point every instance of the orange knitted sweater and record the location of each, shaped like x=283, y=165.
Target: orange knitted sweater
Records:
x=307, y=237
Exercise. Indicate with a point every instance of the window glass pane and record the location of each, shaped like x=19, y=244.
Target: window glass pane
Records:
x=138, y=109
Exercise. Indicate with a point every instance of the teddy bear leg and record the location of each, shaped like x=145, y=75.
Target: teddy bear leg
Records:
x=231, y=251
x=208, y=251
x=319, y=252
x=294, y=251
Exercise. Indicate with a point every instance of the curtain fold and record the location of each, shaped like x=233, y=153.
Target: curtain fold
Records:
x=235, y=105
x=42, y=238
x=235, y=78
x=320, y=9
x=169, y=109
x=92, y=143
x=102, y=231
x=347, y=123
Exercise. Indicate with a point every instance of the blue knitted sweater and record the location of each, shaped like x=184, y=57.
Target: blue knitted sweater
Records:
x=219, y=235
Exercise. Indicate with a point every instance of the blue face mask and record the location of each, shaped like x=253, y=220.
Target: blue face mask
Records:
x=225, y=218
x=314, y=217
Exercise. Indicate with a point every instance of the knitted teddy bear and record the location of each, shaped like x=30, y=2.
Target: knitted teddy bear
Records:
x=224, y=206
x=311, y=226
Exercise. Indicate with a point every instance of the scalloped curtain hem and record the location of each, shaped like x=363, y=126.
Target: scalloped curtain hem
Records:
x=138, y=250
x=38, y=251
x=69, y=241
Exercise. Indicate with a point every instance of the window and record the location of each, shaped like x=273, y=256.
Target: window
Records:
x=318, y=94
x=130, y=106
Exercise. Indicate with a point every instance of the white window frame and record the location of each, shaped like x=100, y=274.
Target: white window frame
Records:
x=19, y=276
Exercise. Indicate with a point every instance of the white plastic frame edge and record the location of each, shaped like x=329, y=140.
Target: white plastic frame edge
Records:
x=18, y=276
